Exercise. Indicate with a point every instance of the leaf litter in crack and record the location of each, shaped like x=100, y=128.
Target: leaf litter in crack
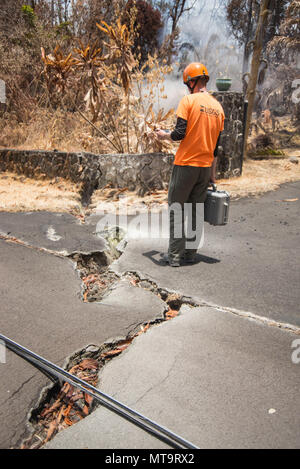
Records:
x=67, y=404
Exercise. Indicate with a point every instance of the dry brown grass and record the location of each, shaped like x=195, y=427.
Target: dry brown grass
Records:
x=21, y=194
x=68, y=131
x=129, y=201
x=64, y=131
x=260, y=177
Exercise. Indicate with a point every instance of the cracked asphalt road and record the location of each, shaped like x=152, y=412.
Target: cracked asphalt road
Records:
x=42, y=309
x=252, y=265
x=210, y=377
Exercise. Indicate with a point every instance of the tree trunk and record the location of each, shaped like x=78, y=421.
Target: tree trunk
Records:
x=66, y=10
x=176, y=9
x=60, y=11
x=31, y=3
x=247, y=39
x=256, y=58
x=52, y=13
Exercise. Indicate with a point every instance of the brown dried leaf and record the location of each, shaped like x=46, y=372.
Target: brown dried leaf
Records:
x=172, y=313
x=51, y=431
x=68, y=421
x=51, y=409
x=60, y=414
x=67, y=410
x=88, y=398
x=111, y=353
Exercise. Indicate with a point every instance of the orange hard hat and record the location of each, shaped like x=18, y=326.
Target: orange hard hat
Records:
x=194, y=70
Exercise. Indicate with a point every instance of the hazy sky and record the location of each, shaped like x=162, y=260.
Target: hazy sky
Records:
x=205, y=28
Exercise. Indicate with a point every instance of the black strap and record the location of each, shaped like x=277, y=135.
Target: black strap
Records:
x=217, y=146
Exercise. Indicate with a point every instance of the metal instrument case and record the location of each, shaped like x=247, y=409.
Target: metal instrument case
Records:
x=216, y=207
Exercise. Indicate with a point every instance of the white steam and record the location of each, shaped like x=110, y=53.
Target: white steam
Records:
x=204, y=38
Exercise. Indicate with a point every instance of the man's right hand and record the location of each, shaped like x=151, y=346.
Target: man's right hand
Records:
x=161, y=134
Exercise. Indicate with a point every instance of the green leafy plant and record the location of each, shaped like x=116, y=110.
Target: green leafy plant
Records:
x=29, y=15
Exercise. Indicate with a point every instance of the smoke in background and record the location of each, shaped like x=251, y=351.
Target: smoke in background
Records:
x=204, y=37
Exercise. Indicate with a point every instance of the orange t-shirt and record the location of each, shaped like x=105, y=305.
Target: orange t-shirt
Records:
x=205, y=120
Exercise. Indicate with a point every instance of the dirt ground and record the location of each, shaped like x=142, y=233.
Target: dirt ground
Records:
x=261, y=176
x=19, y=193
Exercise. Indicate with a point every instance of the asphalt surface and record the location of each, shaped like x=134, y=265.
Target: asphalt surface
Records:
x=58, y=232
x=42, y=309
x=251, y=264
x=217, y=380
x=242, y=366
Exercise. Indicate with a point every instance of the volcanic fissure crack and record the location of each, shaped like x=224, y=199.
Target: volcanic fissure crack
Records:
x=61, y=405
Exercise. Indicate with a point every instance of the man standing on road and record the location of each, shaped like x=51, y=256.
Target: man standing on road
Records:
x=200, y=119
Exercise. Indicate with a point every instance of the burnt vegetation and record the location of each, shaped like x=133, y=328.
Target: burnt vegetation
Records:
x=90, y=75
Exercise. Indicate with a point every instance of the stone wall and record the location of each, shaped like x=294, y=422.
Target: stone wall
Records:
x=141, y=172
x=231, y=143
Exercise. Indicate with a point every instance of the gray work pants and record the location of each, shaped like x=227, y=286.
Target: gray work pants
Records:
x=188, y=185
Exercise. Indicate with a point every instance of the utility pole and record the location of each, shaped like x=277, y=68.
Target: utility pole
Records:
x=248, y=37
x=256, y=59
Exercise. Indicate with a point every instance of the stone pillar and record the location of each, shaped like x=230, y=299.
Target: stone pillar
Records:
x=231, y=151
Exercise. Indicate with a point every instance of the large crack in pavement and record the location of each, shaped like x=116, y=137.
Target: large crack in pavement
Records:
x=99, y=279
x=59, y=405
x=97, y=282
x=180, y=299
x=58, y=402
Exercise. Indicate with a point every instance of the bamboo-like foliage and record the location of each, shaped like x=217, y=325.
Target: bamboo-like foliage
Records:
x=89, y=61
x=156, y=122
x=57, y=69
x=121, y=42
x=119, y=94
